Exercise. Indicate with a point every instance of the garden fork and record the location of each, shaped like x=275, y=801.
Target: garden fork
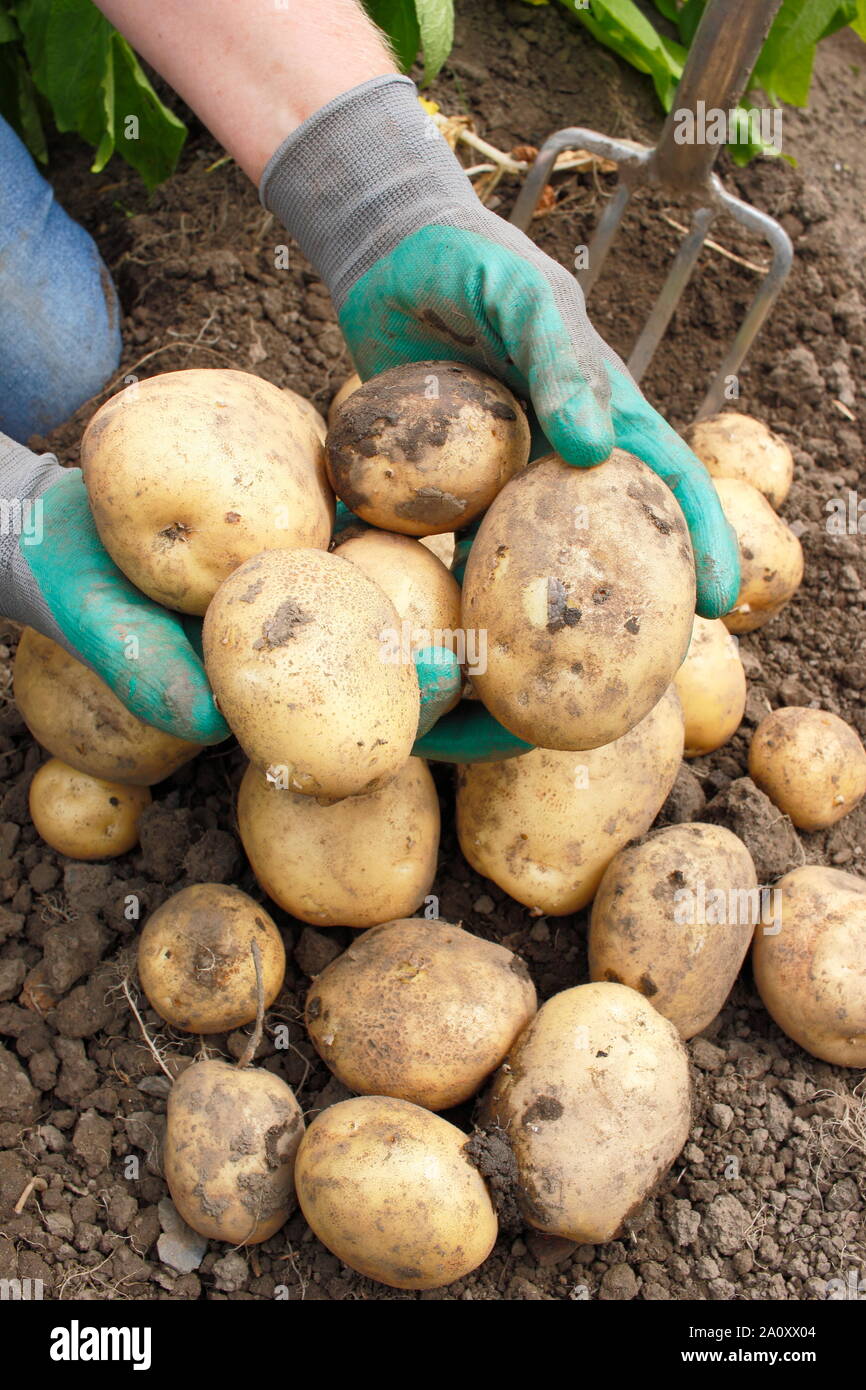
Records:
x=720, y=62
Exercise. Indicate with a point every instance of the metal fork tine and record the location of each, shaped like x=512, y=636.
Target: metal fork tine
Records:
x=678, y=277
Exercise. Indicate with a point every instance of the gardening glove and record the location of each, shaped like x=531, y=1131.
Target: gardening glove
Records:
x=56, y=577
x=419, y=270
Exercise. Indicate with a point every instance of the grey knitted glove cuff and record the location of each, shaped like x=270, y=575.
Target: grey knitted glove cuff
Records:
x=359, y=175
x=24, y=476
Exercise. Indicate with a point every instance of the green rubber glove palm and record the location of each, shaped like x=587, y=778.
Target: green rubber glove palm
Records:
x=419, y=270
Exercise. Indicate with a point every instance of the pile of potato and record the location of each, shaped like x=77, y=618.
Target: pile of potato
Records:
x=578, y=605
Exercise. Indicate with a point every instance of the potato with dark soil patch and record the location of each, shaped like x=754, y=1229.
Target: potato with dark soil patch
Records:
x=583, y=582
x=810, y=763
x=425, y=447
x=595, y=1102
x=231, y=1137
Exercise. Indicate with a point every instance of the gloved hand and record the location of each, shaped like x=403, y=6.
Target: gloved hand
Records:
x=56, y=577
x=418, y=269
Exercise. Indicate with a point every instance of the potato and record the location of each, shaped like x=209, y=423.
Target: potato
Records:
x=348, y=388
x=583, y=581
x=420, y=1010
x=75, y=716
x=595, y=1103
x=350, y=863
x=810, y=763
x=738, y=446
x=85, y=817
x=389, y=1189
x=293, y=646
x=190, y=473
x=811, y=973
x=308, y=412
x=425, y=447
x=673, y=918
x=425, y=594
x=711, y=684
x=771, y=557
x=231, y=1137
x=545, y=826
x=195, y=959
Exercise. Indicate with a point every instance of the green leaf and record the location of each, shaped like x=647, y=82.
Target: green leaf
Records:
x=398, y=20
x=620, y=26
x=8, y=28
x=153, y=145
x=95, y=86
x=436, y=22
x=668, y=8
x=858, y=24
x=784, y=69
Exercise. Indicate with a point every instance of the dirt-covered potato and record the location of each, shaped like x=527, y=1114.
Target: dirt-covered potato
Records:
x=426, y=446
x=420, y=1010
x=85, y=817
x=595, y=1103
x=195, y=958
x=811, y=973
x=583, y=581
x=810, y=763
x=673, y=918
x=293, y=646
x=231, y=1137
x=75, y=716
x=349, y=386
x=771, y=557
x=546, y=825
x=388, y=1188
x=424, y=592
x=190, y=473
x=350, y=863
x=711, y=684
x=730, y=445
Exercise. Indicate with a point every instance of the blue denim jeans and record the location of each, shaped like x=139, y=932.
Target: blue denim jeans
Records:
x=59, y=314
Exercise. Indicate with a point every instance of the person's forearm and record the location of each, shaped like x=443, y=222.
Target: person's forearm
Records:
x=253, y=70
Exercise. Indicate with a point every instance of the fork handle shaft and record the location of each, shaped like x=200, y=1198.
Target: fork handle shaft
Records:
x=721, y=59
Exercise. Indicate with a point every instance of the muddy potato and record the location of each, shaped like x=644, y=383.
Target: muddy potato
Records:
x=348, y=388
x=730, y=445
x=595, y=1103
x=425, y=594
x=293, y=647
x=389, y=1189
x=350, y=863
x=85, y=817
x=75, y=716
x=711, y=684
x=420, y=1010
x=771, y=557
x=673, y=918
x=584, y=583
x=811, y=973
x=810, y=763
x=425, y=447
x=545, y=826
x=190, y=473
x=195, y=959
x=231, y=1137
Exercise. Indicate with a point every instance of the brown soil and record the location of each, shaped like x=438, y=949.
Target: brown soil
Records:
x=768, y=1200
